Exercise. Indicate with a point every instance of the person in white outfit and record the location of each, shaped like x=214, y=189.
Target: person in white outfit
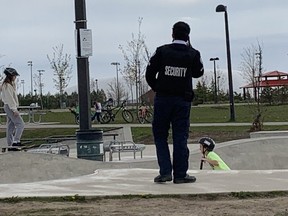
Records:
x=15, y=123
x=98, y=110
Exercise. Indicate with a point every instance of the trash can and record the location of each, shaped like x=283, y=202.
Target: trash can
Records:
x=90, y=145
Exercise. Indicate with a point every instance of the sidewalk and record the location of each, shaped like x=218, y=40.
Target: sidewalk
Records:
x=140, y=181
x=53, y=125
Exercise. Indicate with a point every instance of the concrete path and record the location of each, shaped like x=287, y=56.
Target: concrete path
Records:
x=140, y=181
x=53, y=125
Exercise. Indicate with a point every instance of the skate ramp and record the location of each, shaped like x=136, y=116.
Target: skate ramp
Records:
x=23, y=167
x=268, y=153
x=265, y=153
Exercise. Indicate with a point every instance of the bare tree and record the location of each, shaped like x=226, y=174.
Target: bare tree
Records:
x=136, y=57
x=37, y=82
x=144, y=87
x=252, y=71
x=2, y=74
x=249, y=66
x=2, y=67
x=112, y=91
x=60, y=64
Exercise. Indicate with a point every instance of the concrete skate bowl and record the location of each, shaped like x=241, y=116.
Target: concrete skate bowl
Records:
x=24, y=167
x=20, y=167
x=266, y=153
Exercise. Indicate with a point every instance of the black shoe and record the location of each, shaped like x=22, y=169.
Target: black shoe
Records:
x=18, y=144
x=13, y=149
x=186, y=179
x=162, y=179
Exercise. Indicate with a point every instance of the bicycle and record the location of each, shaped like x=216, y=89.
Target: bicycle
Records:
x=108, y=115
x=144, y=115
x=77, y=115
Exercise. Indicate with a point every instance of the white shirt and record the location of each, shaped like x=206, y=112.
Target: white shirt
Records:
x=9, y=96
x=98, y=108
x=179, y=42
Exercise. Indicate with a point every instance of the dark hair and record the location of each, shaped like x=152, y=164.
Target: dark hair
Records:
x=181, y=31
x=8, y=79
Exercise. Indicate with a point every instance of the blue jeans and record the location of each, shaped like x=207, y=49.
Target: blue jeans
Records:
x=96, y=116
x=174, y=111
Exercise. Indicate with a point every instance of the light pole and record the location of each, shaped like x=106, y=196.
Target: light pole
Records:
x=82, y=69
x=218, y=85
x=22, y=82
x=222, y=8
x=30, y=64
x=89, y=140
x=215, y=77
x=40, y=86
x=62, y=81
x=96, y=81
x=40, y=81
x=259, y=54
x=139, y=82
x=117, y=64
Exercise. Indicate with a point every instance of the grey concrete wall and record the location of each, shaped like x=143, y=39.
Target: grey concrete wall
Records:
x=259, y=134
x=251, y=154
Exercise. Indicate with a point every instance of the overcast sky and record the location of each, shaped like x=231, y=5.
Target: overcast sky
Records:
x=31, y=28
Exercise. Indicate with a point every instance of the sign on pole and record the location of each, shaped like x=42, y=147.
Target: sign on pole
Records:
x=85, y=36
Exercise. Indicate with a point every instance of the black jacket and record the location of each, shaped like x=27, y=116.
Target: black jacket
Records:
x=171, y=68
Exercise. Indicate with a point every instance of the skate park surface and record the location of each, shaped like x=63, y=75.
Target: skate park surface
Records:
x=258, y=164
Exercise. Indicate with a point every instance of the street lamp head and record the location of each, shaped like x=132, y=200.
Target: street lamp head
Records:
x=115, y=63
x=221, y=8
x=41, y=71
x=214, y=59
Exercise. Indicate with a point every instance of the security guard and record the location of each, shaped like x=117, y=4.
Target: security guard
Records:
x=169, y=73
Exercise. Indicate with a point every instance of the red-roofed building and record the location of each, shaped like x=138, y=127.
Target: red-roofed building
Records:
x=268, y=79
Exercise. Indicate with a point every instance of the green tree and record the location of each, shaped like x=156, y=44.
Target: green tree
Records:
x=267, y=95
x=201, y=92
x=99, y=96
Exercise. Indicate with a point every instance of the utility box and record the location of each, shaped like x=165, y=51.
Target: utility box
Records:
x=90, y=145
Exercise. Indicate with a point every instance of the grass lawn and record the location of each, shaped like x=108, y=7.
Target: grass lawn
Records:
x=243, y=113
x=219, y=134
x=199, y=114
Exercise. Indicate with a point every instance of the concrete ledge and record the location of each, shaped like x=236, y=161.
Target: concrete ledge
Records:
x=268, y=134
